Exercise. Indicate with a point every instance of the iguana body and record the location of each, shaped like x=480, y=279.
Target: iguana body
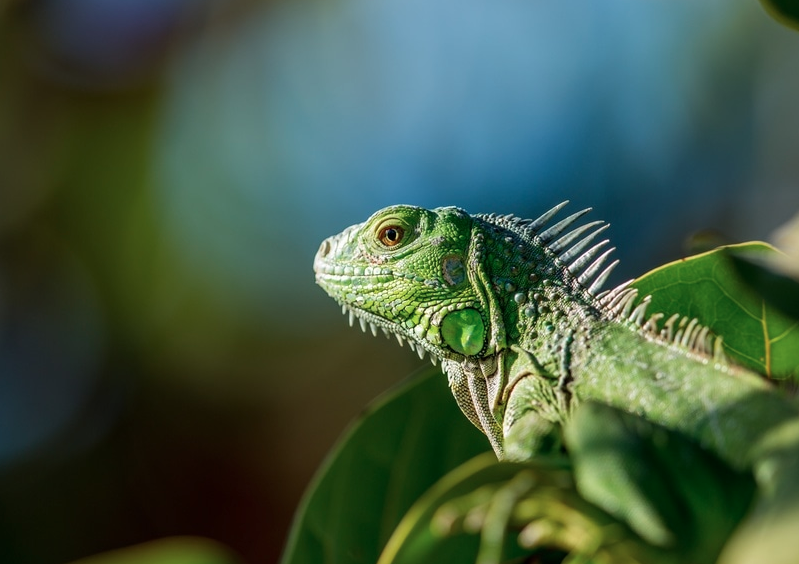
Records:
x=513, y=311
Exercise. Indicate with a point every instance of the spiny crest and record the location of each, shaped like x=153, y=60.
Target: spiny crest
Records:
x=679, y=330
x=571, y=247
x=588, y=265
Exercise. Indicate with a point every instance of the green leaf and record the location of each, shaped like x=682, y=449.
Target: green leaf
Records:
x=784, y=11
x=400, y=447
x=171, y=550
x=416, y=542
x=756, y=333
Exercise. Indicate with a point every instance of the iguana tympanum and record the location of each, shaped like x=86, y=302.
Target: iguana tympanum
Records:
x=514, y=312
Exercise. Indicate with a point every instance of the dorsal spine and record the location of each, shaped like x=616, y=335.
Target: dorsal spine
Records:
x=583, y=268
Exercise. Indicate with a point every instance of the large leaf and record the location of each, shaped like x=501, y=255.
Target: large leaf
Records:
x=756, y=333
x=400, y=447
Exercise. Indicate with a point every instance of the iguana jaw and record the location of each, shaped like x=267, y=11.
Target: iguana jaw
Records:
x=339, y=281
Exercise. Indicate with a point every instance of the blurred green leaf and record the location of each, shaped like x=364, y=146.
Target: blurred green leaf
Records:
x=756, y=334
x=416, y=542
x=489, y=511
x=784, y=11
x=400, y=447
x=172, y=550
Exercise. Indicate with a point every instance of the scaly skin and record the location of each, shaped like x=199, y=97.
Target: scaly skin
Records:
x=512, y=310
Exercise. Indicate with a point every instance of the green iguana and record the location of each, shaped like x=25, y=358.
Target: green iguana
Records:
x=514, y=312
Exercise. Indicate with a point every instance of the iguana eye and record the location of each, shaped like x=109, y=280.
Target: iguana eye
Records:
x=391, y=235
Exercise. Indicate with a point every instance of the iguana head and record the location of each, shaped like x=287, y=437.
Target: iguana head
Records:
x=405, y=270
x=458, y=285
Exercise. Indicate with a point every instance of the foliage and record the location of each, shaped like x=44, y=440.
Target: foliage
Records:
x=381, y=495
x=760, y=332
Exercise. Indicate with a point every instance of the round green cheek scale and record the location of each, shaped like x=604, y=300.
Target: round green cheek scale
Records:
x=463, y=331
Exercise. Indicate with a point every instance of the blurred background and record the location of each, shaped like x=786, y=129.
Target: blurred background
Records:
x=169, y=167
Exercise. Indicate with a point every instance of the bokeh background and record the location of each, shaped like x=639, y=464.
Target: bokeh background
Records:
x=169, y=167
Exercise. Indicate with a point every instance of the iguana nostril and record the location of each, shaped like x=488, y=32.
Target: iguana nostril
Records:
x=324, y=248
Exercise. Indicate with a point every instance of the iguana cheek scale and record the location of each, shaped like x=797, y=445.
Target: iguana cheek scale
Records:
x=463, y=331
x=515, y=312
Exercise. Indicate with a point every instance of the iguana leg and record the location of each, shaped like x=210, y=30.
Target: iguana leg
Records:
x=532, y=434
x=533, y=409
x=665, y=487
x=609, y=452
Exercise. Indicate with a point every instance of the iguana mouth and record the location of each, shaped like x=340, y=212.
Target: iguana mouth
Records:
x=342, y=282
x=375, y=323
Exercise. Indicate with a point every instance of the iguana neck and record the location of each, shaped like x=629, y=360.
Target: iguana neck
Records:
x=540, y=304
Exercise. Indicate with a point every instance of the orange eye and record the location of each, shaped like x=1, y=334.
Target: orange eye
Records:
x=391, y=235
